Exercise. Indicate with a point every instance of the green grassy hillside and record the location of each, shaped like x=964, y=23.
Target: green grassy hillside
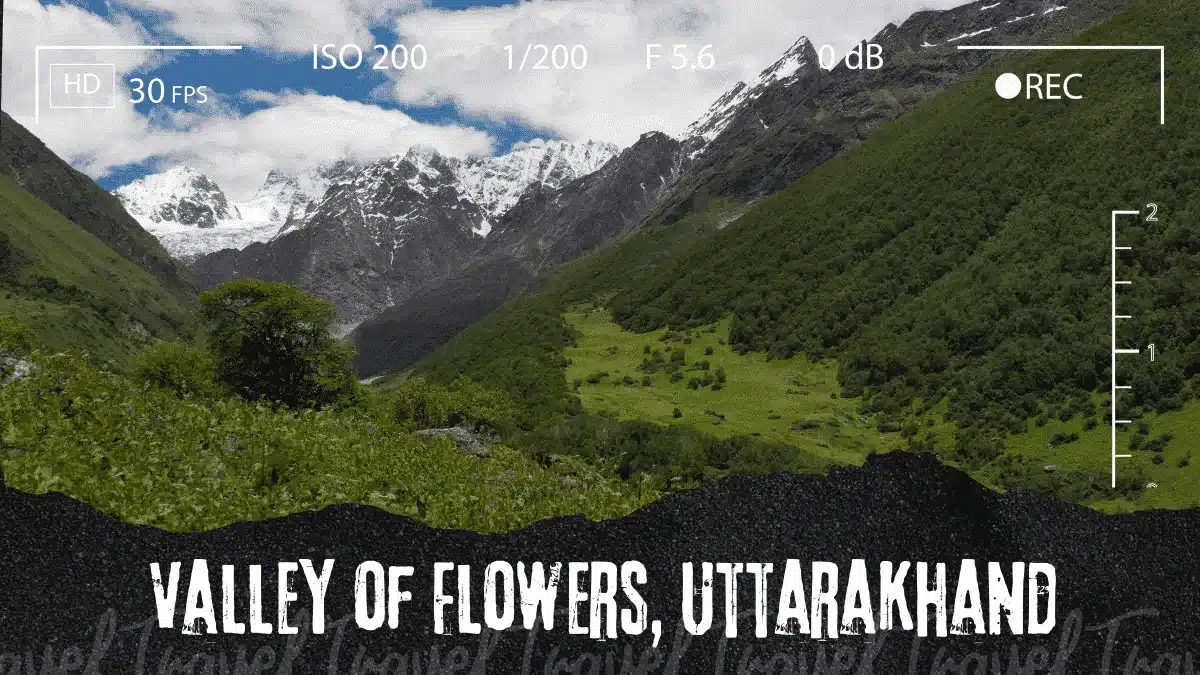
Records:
x=716, y=390
x=29, y=163
x=954, y=265
x=75, y=291
x=962, y=253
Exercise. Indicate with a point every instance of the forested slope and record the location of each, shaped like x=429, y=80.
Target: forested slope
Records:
x=963, y=252
x=956, y=261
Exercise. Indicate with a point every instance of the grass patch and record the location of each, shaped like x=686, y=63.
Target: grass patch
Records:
x=75, y=291
x=793, y=401
x=789, y=401
x=1176, y=475
x=1079, y=447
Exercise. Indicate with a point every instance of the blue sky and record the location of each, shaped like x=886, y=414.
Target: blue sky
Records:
x=257, y=69
x=275, y=112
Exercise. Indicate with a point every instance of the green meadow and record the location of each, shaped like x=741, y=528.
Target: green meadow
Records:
x=796, y=402
x=790, y=401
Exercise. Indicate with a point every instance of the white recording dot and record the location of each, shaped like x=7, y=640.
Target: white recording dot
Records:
x=1008, y=86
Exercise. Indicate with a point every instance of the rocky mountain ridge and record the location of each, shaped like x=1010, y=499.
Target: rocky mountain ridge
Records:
x=761, y=136
x=755, y=140
x=383, y=229
x=192, y=216
x=545, y=229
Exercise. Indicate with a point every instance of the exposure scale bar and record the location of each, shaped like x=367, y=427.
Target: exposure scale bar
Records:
x=1114, y=351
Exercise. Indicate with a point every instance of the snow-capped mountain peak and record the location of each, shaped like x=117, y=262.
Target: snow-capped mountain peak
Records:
x=801, y=57
x=497, y=183
x=179, y=195
x=189, y=213
x=279, y=197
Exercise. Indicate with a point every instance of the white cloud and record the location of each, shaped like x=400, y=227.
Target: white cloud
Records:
x=615, y=97
x=531, y=143
x=302, y=129
x=273, y=25
x=294, y=131
x=28, y=24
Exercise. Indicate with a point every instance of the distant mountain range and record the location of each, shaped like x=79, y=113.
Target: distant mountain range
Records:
x=422, y=241
x=191, y=215
x=376, y=232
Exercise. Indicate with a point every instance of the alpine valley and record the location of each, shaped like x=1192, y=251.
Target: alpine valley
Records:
x=828, y=264
x=414, y=248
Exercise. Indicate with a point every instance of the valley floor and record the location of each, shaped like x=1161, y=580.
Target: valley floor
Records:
x=797, y=402
x=793, y=401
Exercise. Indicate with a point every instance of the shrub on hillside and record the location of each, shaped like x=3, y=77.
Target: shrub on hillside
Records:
x=177, y=367
x=1062, y=438
x=11, y=260
x=16, y=339
x=418, y=404
x=16, y=343
x=678, y=455
x=1158, y=444
x=271, y=341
